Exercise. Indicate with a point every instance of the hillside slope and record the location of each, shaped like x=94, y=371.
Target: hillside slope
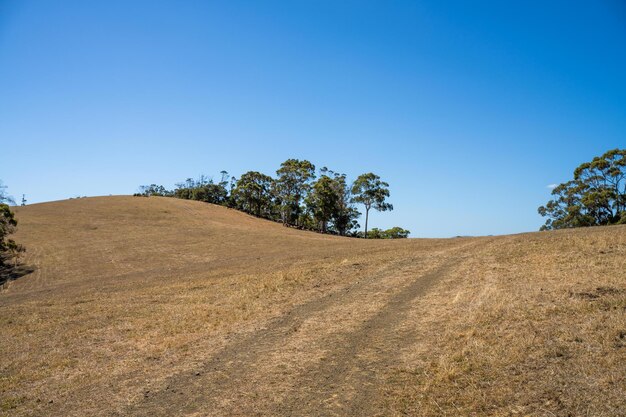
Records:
x=157, y=306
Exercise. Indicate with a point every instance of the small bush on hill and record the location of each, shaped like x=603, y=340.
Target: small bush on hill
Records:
x=393, y=233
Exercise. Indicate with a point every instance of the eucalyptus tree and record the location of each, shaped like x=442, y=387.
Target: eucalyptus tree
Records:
x=369, y=190
x=4, y=197
x=252, y=193
x=210, y=193
x=292, y=186
x=330, y=205
x=345, y=214
x=204, y=189
x=323, y=201
x=595, y=196
x=154, y=190
x=224, y=178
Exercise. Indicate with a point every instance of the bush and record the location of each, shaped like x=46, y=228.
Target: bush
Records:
x=393, y=233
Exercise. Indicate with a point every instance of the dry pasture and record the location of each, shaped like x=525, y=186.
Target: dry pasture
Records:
x=157, y=306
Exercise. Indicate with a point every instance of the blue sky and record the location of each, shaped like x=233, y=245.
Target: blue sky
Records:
x=468, y=109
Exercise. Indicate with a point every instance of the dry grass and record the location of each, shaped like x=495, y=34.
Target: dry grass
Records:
x=130, y=291
x=530, y=325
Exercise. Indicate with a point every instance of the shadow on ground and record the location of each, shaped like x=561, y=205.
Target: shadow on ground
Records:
x=13, y=273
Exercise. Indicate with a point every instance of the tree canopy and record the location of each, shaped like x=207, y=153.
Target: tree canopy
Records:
x=4, y=197
x=369, y=190
x=596, y=195
x=252, y=193
x=291, y=186
x=9, y=249
x=393, y=233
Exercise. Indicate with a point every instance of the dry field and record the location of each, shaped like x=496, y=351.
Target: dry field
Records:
x=164, y=307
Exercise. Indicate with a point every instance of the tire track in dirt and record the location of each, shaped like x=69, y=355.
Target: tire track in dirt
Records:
x=347, y=384
x=281, y=371
x=184, y=392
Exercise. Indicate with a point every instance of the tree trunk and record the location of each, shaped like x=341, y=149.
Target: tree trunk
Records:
x=367, y=213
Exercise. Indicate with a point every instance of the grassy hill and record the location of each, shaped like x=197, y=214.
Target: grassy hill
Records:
x=159, y=306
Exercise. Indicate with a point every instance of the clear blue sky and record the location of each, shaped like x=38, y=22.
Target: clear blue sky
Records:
x=469, y=109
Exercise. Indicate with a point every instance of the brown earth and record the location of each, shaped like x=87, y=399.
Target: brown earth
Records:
x=157, y=306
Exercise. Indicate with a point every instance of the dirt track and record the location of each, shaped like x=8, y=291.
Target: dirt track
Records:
x=325, y=358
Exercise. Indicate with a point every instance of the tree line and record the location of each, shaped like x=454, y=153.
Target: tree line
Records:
x=596, y=196
x=298, y=196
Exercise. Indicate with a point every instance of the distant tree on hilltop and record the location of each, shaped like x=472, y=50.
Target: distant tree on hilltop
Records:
x=393, y=233
x=323, y=201
x=596, y=196
x=396, y=233
x=202, y=190
x=252, y=193
x=369, y=190
x=345, y=215
x=154, y=190
x=291, y=187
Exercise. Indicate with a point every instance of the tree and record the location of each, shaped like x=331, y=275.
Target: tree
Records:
x=252, y=193
x=154, y=190
x=292, y=186
x=345, y=216
x=393, y=233
x=329, y=203
x=323, y=201
x=204, y=189
x=375, y=233
x=396, y=233
x=224, y=179
x=4, y=197
x=596, y=196
x=8, y=248
x=370, y=191
x=208, y=192
x=8, y=224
